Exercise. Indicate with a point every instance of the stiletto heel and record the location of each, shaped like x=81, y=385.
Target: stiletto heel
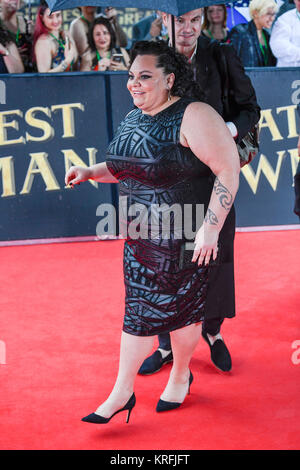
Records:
x=97, y=419
x=190, y=382
x=163, y=405
x=128, y=415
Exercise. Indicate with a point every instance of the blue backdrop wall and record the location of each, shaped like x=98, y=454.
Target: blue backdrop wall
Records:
x=49, y=122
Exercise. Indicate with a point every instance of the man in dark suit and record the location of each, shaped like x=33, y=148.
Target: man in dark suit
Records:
x=201, y=52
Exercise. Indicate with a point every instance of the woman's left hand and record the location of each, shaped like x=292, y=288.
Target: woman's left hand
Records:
x=206, y=242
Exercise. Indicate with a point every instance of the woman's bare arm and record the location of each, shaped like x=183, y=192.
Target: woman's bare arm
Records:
x=206, y=134
x=98, y=172
x=13, y=60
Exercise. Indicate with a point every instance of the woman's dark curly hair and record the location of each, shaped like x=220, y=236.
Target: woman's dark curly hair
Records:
x=171, y=62
x=107, y=24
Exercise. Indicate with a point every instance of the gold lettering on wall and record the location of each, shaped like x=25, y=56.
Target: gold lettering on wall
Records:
x=265, y=168
x=8, y=176
x=291, y=118
x=39, y=165
x=267, y=120
x=71, y=158
x=4, y=124
x=68, y=117
x=48, y=131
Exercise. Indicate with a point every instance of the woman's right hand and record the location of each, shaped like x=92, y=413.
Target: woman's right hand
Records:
x=69, y=51
x=77, y=174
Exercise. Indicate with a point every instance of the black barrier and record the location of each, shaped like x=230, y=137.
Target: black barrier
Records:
x=49, y=122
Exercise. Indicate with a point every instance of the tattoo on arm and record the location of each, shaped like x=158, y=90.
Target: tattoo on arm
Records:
x=225, y=197
x=211, y=217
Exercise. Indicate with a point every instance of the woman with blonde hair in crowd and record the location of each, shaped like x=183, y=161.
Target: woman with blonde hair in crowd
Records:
x=214, y=22
x=251, y=40
x=54, y=50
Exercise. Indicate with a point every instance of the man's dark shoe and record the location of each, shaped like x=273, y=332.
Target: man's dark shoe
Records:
x=219, y=354
x=154, y=363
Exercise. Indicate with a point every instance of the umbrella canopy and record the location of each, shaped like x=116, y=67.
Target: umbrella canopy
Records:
x=175, y=7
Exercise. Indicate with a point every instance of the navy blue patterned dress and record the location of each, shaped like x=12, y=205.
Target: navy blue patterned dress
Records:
x=154, y=169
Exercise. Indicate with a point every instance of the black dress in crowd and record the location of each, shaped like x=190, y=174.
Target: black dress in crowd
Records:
x=245, y=40
x=162, y=293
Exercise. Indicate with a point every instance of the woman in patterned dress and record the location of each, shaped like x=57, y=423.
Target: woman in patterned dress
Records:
x=169, y=151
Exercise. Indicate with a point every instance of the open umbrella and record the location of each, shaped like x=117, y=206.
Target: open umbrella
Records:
x=174, y=7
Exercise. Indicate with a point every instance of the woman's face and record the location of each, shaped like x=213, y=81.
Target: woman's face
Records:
x=215, y=14
x=266, y=20
x=147, y=84
x=101, y=37
x=52, y=21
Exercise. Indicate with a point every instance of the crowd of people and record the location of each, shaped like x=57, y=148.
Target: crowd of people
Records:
x=97, y=42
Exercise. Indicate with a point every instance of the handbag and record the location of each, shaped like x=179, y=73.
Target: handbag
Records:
x=248, y=147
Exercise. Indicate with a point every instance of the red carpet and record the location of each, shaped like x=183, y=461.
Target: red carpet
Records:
x=61, y=314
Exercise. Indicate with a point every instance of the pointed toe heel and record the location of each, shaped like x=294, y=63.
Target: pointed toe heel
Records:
x=163, y=405
x=98, y=419
x=166, y=405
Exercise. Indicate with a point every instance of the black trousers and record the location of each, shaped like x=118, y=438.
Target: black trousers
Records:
x=211, y=326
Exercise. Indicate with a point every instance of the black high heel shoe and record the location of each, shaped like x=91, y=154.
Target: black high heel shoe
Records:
x=171, y=405
x=97, y=419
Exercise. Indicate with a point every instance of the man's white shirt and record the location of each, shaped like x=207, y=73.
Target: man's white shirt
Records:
x=285, y=39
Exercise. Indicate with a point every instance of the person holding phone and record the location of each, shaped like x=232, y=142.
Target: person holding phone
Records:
x=103, y=54
x=121, y=37
x=149, y=28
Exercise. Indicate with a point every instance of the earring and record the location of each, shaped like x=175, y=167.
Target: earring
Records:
x=169, y=94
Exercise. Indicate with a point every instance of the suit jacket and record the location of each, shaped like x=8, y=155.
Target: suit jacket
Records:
x=246, y=112
x=244, y=39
